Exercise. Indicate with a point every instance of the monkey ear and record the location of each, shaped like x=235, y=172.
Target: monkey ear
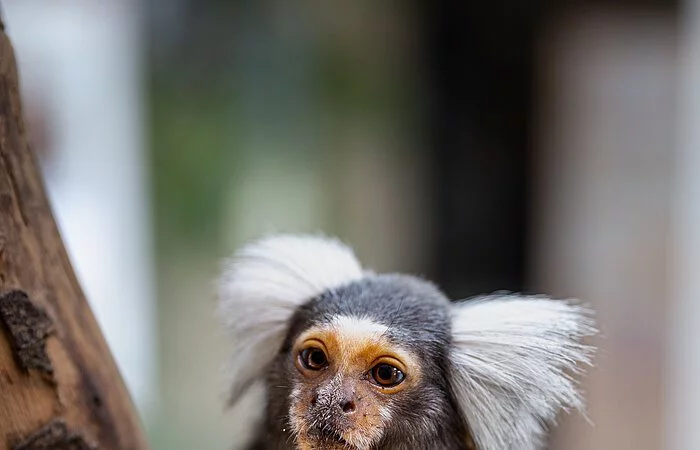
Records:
x=512, y=363
x=261, y=287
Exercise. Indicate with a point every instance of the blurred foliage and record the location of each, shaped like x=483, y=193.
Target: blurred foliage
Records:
x=263, y=76
x=193, y=155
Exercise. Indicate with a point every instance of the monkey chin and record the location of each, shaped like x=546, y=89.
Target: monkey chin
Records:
x=306, y=443
x=327, y=443
x=345, y=441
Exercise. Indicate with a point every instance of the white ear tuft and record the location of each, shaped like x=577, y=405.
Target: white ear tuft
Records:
x=263, y=284
x=512, y=362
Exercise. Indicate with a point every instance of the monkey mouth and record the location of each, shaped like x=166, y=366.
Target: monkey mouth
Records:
x=334, y=438
x=339, y=438
x=330, y=440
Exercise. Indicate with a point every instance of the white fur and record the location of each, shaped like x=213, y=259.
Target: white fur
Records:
x=512, y=360
x=264, y=283
x=351, y=327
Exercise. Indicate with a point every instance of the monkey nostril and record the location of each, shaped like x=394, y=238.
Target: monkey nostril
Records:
x=349, y=407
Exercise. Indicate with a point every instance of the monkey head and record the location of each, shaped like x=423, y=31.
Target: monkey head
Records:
x=355, y=360
x=366, y=364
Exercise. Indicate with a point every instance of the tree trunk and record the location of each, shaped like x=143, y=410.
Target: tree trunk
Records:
x=59, y=386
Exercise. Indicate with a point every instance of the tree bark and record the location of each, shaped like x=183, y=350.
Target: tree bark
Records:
x=59, y=386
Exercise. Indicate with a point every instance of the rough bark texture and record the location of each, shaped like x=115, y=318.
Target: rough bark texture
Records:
x=59, y=386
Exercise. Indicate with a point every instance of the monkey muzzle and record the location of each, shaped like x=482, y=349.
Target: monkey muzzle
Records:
x=331, y=417
x=332, y=412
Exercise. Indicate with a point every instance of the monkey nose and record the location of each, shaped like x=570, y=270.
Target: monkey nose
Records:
x=348, y=407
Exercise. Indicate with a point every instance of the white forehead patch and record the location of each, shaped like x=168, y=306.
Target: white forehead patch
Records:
x=351, y=327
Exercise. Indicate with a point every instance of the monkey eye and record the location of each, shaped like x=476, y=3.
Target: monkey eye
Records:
x=386, y=375
x=313, y=358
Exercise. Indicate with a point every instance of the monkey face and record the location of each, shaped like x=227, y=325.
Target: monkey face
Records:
x=350, y=380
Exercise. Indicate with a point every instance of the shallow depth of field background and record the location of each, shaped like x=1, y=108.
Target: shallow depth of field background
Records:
x=533, y=146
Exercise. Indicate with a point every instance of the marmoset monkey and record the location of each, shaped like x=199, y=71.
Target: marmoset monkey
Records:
x=355, y=360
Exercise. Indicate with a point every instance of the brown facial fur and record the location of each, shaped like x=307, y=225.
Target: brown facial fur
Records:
x=352, y=347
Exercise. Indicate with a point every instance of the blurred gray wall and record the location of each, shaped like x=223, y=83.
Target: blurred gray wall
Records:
x=604, y=169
